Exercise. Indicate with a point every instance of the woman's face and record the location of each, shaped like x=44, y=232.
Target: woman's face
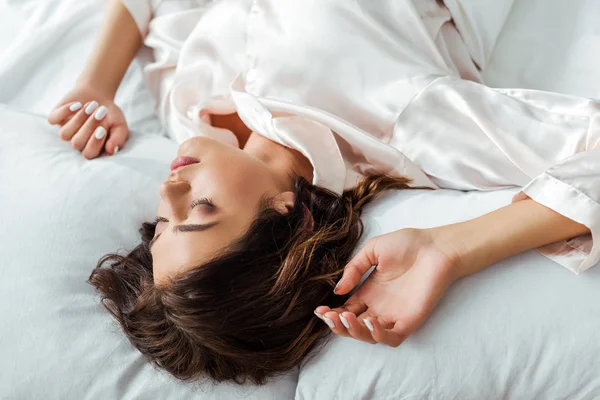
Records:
x=207, y=205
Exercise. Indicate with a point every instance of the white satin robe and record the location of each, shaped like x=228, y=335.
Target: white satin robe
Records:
x=363, y=85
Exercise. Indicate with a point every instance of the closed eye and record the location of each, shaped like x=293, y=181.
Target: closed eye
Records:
x=191, y=227
x=159, y=219
x=187, y=228
x=202, y=201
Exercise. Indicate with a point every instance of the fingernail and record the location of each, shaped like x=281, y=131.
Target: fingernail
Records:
x=368, y=324
x=344, y=321
x=75, y=106
x=116, y=150
x=325, y=319
x=99, y=132
x=101, y=113
x=337, y=286
x=91, y=107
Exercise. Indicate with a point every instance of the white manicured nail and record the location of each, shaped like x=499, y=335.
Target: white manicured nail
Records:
x=368, y=324
x=116, y=150
x=99, y=132
x=75, y=106
x=344, y=321
x=101, y=113
x=91, y=107
x=325, y=319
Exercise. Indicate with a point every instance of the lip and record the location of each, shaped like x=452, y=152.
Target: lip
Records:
x=183, y=161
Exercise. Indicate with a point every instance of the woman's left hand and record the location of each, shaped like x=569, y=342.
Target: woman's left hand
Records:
x=413, y=272
x=91, y=121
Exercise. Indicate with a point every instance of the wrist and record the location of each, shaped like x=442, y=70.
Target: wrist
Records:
x=463, y=246
x=94, y=84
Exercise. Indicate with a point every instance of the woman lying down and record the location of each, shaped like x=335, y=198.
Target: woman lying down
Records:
x=291, y=117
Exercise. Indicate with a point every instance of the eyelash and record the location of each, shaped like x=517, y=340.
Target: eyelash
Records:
x=160, y=219
x=202, y=201
x=197, y=202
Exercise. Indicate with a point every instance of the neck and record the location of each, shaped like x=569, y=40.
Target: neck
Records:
x=287, y=164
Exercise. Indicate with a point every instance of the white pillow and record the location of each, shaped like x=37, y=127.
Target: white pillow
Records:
x=525, y=328
x=58, y=214
x=551, y=45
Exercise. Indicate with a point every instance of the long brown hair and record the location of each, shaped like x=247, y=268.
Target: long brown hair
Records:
x=248, y=313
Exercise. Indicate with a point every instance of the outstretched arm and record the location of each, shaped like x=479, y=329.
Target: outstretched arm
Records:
x=415, y=267
x=518, y=227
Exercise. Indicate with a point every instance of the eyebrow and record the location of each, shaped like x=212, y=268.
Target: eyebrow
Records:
x=188, y=228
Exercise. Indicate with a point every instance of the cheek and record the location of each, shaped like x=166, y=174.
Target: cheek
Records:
x=244, y=178
x=248, y=187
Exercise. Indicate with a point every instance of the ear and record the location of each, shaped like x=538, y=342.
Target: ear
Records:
x=284, y=202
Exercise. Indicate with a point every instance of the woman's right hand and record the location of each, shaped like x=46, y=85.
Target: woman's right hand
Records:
x=415, y=267
x=91, y=121
x=413, y=272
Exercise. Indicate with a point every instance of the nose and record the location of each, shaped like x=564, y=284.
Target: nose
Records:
x=176, y=194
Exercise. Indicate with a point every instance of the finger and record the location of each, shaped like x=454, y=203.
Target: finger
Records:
x=117, y=138
x=335, y=317
x=356, y=268
x=95, y=143
x=328, y=321
x=333, y=320
x=73, y=126
x=357, y=330
x=68, y=118
x=321, y=310
x=339, y=327
x=380, y=321
x=353, y=305
x=382, y=335
x=59, y=115
x=84, y=134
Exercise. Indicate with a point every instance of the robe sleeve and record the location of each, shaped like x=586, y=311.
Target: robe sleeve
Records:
x=468, y=136
x=142, y=12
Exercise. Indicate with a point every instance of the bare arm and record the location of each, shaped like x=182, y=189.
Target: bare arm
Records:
x=415, y=267
x=87, y=115
x=118, y=42
x=518, y=227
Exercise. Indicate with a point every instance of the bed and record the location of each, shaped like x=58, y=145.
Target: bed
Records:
x=525, y=328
